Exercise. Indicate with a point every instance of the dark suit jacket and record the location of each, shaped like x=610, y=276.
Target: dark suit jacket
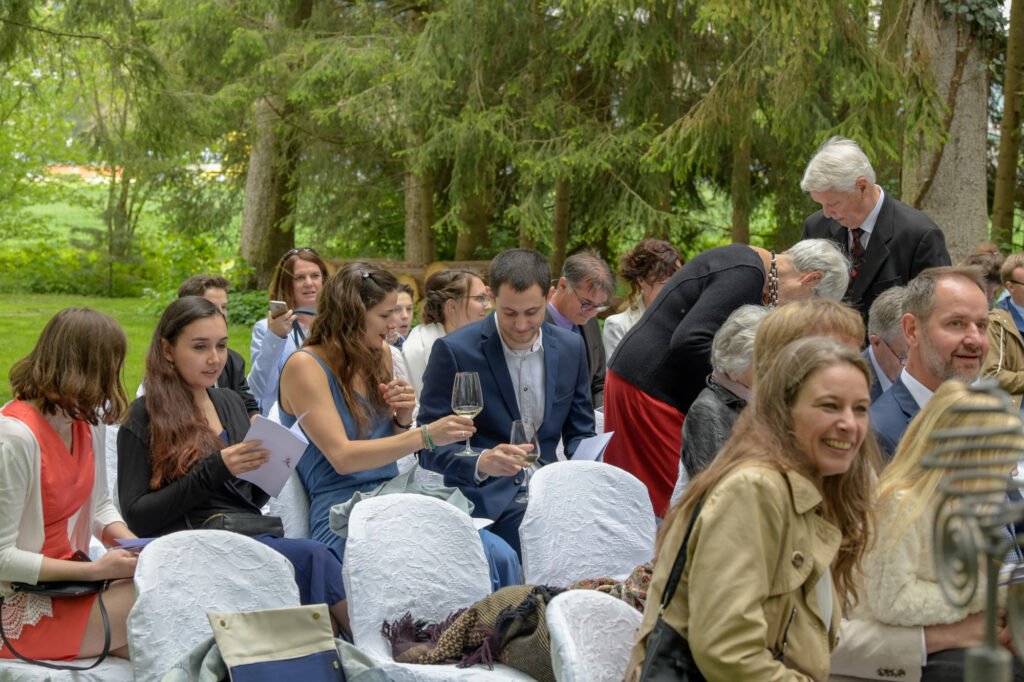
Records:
x=233, y=377
x=876, y=386
x=568, y=413
x=903, y=243
x=891, y=414
x=596, y=360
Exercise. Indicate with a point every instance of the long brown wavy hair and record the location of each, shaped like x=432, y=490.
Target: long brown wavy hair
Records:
x=338, y=332
x=178, y=433
x=763, y=436
x=75, y=367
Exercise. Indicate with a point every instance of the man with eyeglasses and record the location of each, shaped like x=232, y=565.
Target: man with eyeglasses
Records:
x=1005, y=360
x=579, y=295
x=945, y=317
x=887, y=349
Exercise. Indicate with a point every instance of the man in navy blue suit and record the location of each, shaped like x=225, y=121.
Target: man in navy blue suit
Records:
x=529, y=369
x=945, y=315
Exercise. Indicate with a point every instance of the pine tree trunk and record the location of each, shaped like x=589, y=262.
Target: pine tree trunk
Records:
x=267, y=228
x=419, y=217
x=1009, y=132
x=476, y=215
x=740, y=190
x=560, y=225
x=948, y=181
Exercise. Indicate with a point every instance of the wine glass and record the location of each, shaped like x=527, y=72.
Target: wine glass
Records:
x=467, y=400
x=524, y=433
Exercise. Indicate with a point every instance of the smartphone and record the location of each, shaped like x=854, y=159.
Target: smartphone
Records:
x=278, y=308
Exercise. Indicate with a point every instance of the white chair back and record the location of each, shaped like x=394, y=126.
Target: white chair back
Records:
x=409, y=553
x=292, y=505
x=591, y=636
x=585, y=520
x=181, y=576
x=415, y=554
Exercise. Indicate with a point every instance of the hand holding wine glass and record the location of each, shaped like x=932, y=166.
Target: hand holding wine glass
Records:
x=467, y=400
x=524, y=435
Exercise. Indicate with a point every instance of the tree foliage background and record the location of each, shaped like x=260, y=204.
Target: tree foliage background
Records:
x=450, y=129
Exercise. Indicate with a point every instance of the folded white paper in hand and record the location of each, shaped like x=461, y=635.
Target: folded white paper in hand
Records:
x=592, y=449
x=286, y=447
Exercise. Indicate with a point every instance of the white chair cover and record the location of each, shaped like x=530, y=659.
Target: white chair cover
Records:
x=416, y=554
x=591, y=636
x=292, y=505
x=585, y=520
x=182, y=575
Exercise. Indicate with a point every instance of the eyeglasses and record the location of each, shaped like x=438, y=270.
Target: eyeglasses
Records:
x=1013, y=281
x=587, y=305
x=482, y=299
x=901, y=358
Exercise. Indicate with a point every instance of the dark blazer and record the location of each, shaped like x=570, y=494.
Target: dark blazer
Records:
x=233, y=377
x=568, y=413
x=903, y=243
x=876, y=386
x=891, y=414
x=708, y=425
x=596, y=360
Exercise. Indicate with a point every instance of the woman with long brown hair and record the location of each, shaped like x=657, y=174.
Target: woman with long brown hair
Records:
x=53, y=489
x=181, y=450
x=780, y=521
x=358, y=419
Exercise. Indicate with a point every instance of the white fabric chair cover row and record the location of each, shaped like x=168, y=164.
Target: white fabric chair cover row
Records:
x=585, y=520
x=591, y=636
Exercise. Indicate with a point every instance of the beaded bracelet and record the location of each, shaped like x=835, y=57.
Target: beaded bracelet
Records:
x=428, y=442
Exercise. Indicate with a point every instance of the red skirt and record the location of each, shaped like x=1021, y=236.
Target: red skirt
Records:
x=648, y=438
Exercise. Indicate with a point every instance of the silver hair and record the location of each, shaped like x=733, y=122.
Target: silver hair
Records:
x=885, y=318
x=836, y=166
x=587, y=267
x=732, y=350
x=821, y=255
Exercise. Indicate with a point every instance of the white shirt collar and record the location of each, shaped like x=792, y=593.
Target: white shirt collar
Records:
x=869, y=223
x=921, y=393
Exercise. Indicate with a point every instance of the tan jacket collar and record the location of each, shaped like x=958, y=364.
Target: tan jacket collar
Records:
x=805, y=494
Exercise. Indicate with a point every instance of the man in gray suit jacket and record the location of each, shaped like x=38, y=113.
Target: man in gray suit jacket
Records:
x=888, y=242
x=581, y=293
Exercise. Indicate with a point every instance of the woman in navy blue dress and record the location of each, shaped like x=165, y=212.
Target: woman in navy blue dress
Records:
x=357, y=417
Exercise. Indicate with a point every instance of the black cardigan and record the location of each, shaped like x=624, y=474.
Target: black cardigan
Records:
x=208, y=488
x=667, y=353
x=233, y=377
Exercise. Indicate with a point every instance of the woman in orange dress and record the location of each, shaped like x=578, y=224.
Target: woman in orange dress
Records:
x=53, y=491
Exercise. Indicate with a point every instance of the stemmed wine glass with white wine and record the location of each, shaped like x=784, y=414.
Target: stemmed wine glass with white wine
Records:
x=467, y=400
x=524, y=433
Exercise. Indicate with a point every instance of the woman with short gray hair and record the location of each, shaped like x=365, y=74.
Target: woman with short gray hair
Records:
x=713, y=413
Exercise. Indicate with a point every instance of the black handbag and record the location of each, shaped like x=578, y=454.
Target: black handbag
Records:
x=246, y=523
x=61, y=589
x=668, y=657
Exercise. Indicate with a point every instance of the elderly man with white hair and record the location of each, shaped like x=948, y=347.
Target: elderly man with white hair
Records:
x=888, y=242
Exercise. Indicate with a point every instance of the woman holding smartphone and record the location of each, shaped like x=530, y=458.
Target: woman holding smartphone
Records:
x=53, y=489
x=296, y=282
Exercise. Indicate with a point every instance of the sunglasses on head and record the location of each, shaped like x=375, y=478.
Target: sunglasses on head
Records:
x=294, y=252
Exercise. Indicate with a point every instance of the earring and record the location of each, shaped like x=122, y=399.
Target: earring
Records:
x=171, y=363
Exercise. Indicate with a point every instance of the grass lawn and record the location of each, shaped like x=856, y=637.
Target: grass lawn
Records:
x=25, y=315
